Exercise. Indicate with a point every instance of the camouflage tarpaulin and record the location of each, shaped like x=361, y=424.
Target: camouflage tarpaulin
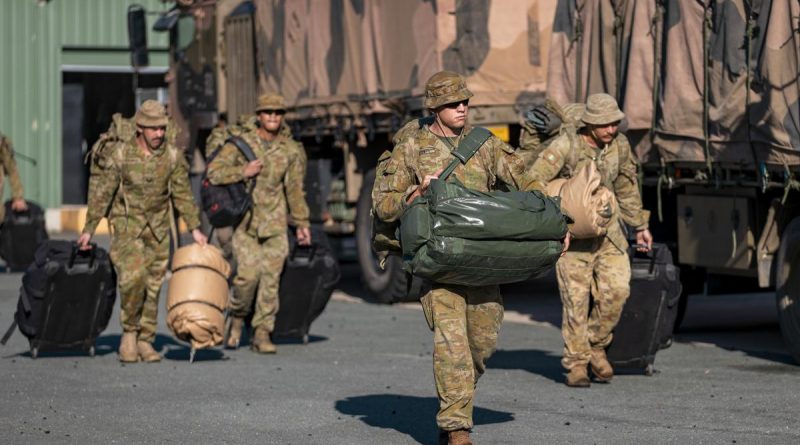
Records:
x=740, y=107
x=343, y=57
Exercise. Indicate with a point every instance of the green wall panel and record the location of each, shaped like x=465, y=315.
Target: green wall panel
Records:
x=110, y=29
x=30, y=94
x=37, y=38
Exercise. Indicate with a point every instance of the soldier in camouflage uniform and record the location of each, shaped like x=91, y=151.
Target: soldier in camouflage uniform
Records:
x=8, y=167
x=600, y=266
x=132, y=183
x=465, y=320
x=260, y=243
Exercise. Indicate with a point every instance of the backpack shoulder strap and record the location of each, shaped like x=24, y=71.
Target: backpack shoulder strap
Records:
x=243, y=147
x=467, y=148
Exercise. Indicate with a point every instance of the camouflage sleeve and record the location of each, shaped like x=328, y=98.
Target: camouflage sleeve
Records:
x=293, y=185
x=182, y=194
x=550, y=161
x=227, y=167
x=394, y=183
x=510, y=167
x=103, y=183
x=626, y=189
x=10, y=166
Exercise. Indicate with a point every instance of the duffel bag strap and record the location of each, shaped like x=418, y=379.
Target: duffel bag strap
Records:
x=467, y=148
x=9, y=332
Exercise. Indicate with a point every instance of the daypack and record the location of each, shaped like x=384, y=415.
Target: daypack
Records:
x=225, y=205
x=454, y=235
x=105, y=151
x=385, y=239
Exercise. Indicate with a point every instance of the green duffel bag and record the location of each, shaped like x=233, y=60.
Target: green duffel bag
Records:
x=454, y=235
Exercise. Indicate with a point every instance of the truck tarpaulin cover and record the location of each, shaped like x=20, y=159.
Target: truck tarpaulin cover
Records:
x=370, y=53
x=741, y=107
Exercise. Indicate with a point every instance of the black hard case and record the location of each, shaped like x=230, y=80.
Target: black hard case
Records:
x=66, y=298
x=308, y=280
x=648, y=317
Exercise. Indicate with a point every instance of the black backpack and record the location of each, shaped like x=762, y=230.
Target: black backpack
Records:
x=225, y=205
x=21, y=234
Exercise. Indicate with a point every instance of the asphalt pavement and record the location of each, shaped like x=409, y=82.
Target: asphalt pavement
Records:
x=366, y=378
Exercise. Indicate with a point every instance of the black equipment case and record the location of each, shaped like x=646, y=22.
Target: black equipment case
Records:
x=308, y=280
x=20, y=235
x=648, y=317
x=66, y=298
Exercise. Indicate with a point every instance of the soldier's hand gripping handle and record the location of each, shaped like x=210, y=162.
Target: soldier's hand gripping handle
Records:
x=83, y=241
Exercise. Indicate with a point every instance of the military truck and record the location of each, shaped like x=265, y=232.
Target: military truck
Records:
x=353, y=72
x=709, y=88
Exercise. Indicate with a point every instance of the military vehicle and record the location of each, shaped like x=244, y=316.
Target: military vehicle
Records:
x=353, y=72
x=710, y=90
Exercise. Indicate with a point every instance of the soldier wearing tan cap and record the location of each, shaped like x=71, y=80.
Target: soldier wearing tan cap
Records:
x=599, y=266
x=260, y=244
x=465, y=320
x=132, y=183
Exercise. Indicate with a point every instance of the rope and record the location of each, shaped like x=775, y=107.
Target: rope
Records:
x=706, y=54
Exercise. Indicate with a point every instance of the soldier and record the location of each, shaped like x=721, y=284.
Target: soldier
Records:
x=597, y=266
x=260, y=243
x=465, y=320
x=133, y=184
x=9, y=166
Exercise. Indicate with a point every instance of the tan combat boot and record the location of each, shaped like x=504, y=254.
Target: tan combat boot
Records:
x=147, y=353
x=578, y=377
x=261, y=342
x=127, y=348
x=458, y=437
x=601, y=368
x=234, y=333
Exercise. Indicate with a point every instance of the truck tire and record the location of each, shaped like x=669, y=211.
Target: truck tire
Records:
x=387, y=285
x=787, y=287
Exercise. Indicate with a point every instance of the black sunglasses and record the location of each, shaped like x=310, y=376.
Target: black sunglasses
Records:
x=278, y=112
x=464, y=102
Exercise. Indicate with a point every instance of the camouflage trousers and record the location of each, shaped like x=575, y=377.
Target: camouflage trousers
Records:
x=260, y=263
x=225, y=242
x=597, y=268
x=465, y=323
x=141, y=263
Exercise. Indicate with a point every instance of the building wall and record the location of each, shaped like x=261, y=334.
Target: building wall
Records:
x=38, y=39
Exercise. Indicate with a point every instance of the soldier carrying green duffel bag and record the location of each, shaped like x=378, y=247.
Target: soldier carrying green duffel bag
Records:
x=452, y=234
x=464, y=234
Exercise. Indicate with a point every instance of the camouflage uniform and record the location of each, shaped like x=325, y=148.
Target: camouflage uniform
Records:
x=596, y=266
x=465, y=320
x=134, y=191
x=8, y=166
x=260, y=243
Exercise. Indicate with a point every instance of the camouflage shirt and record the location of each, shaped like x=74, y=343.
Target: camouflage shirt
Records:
x=279, y=183
x=134, y=189
x=400, y=172
x=617, y=166
x=8, y=166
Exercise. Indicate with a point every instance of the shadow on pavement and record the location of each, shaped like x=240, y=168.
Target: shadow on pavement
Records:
x=535, y=361
x=410, y=415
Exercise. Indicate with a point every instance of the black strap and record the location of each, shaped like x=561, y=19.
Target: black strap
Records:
x=237, y=142
x=9, y=332
x=469, y=145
